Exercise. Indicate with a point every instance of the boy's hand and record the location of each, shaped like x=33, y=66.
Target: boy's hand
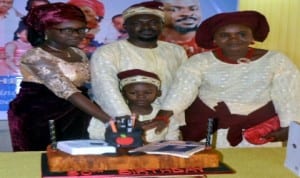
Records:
x=160, y=125
x=142, y=124
x=160, y=122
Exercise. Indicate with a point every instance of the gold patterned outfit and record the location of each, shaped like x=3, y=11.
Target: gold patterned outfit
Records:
x=48, y=82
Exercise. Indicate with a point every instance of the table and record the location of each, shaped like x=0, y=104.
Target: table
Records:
x=255, y=163
x=247, y=162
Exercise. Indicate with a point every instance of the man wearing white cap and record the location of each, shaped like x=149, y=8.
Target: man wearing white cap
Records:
x=142, y=50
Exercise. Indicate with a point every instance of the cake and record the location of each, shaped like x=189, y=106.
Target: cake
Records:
x=59, y=161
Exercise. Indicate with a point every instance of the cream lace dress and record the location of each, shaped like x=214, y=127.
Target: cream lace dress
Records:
x=243, y=87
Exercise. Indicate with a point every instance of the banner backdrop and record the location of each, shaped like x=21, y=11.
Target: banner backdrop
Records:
x=183, y=17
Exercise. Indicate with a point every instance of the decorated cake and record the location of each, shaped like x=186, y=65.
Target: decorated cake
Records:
x=59, y=161
x=122, y=159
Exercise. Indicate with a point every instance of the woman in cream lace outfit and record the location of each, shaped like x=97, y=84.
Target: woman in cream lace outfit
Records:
x=54, y=73
x=240, y=86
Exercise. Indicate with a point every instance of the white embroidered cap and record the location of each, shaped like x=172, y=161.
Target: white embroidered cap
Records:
x=138, y=76
x=150, y=7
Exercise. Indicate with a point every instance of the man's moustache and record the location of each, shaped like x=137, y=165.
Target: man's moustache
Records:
x=186, y=18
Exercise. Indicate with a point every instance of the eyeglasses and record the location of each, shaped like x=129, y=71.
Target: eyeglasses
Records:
x=71, y=31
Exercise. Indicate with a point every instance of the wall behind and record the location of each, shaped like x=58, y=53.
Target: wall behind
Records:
x=284, y=23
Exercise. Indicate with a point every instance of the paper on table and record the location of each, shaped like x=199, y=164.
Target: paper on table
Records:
x=182, y=149
x=85, y=147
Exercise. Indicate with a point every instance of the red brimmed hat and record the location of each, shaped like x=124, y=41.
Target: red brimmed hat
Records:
x=45, y=16
x=138, y=76
x=252, y=19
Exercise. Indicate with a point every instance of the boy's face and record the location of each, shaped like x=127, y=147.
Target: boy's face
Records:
x=140, y=94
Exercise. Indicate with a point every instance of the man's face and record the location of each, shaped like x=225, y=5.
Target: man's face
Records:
x=144, y=27
x=183, y=16
x=5, y=5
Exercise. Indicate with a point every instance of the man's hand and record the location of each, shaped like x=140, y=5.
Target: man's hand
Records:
x=278, y=135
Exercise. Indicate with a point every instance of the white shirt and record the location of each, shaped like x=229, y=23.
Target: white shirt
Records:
x=108, y=60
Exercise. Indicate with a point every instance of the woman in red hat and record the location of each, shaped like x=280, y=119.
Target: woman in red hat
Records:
x=54, y=74
x=252, y=94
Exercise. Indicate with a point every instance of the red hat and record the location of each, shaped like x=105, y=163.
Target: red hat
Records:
x=252, y=19
x=149, y=7
x=138, y=76
x=45, y=16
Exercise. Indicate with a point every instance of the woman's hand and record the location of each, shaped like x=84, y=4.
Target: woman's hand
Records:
x=278, y=135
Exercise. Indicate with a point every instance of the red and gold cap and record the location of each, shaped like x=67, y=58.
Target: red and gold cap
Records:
x=45, y=16
x=138, y=76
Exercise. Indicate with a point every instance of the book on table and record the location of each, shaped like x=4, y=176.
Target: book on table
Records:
x=182, y=149
x=85, y=147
